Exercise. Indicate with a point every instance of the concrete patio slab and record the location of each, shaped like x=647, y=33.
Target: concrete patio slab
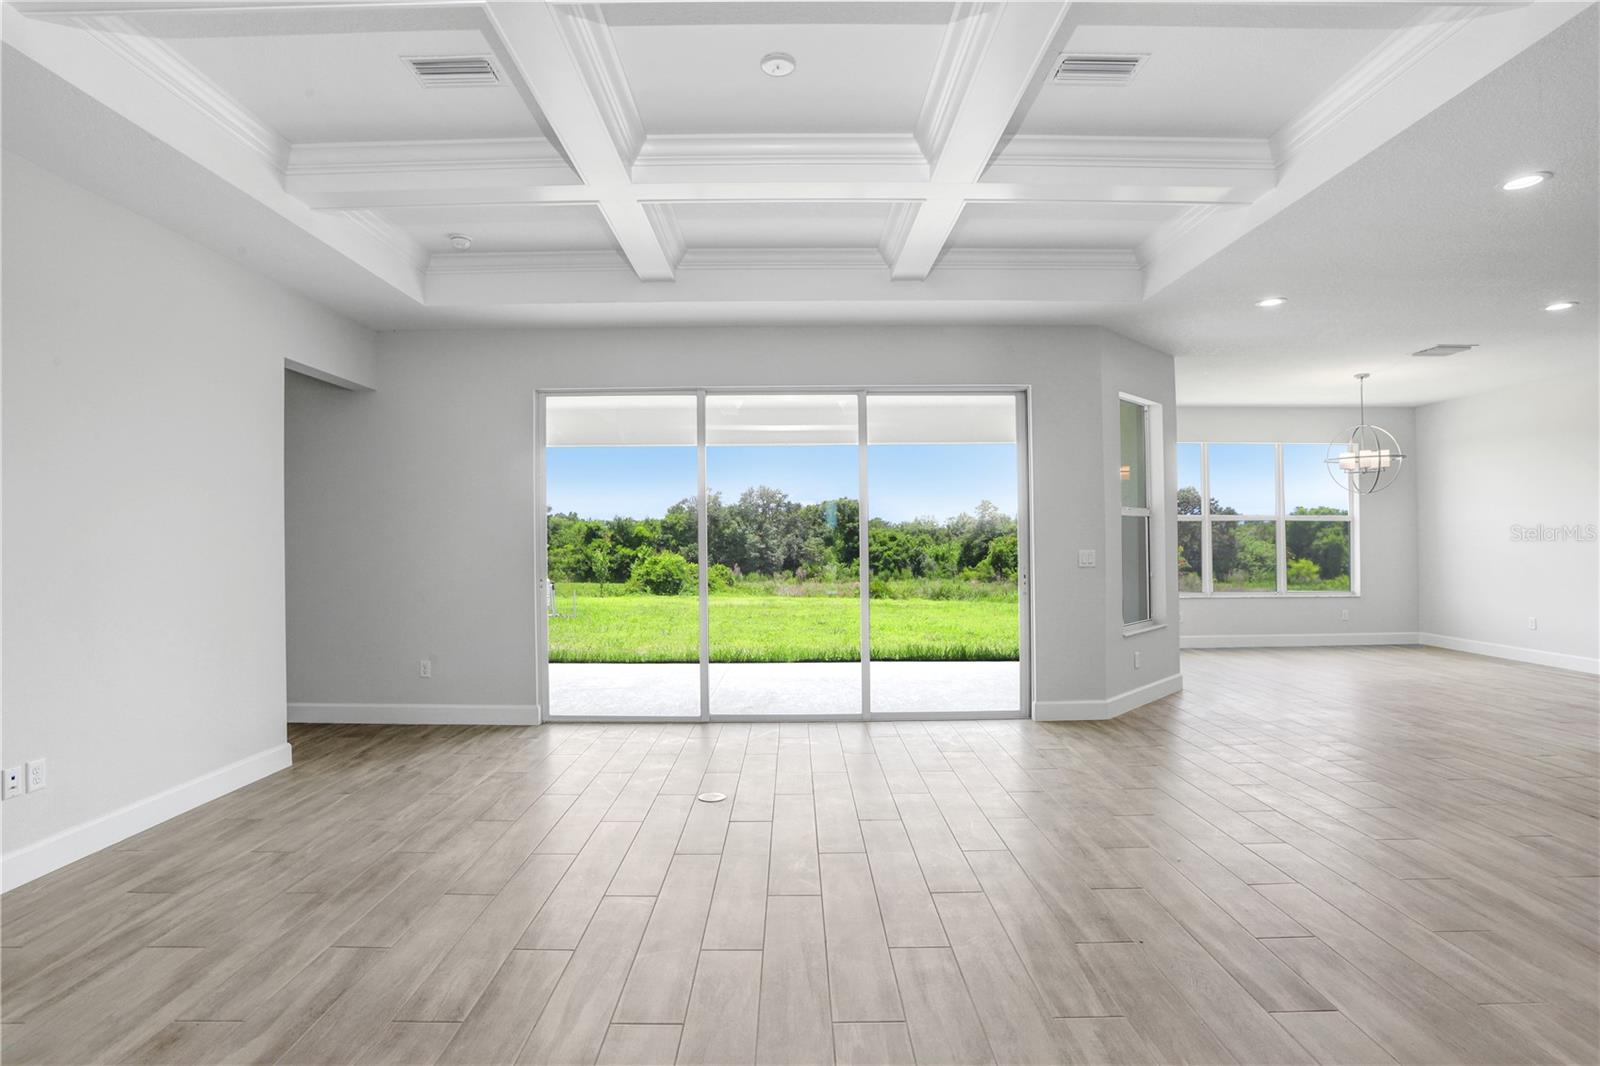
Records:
x=819, y=690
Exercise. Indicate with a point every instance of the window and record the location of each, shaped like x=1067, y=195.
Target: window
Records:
x=1135, y=477
x=1263, y=519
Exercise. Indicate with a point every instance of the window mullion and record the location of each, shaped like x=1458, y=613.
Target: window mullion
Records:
x=1282, y=528
x=1205, y=519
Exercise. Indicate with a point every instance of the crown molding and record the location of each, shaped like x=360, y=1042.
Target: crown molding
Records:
x=377, y=174
x=466, y=263
x=664, y=220
x=175, y=74
x=594, y=52
x=1427, y=30
x=966, y=38
x=697, y=149
x=1173, y=232
x=783, y=259
x=1044, y=150
x=379, y=157
x=390, y=236
x=895, y=229
x=1039, y=259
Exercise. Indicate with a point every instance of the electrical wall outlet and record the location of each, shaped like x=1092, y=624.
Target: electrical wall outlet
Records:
x=1533, y=623
x=425, y=668
x=1344, y=615
x=1138, y=660
x=35, y=774
x=13, y=782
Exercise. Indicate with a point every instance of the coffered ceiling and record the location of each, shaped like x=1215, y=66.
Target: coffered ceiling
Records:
x=632, y=162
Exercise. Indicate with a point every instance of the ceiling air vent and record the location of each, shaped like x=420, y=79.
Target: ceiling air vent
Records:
x=443, y=72
x=1093, y=68
x=1446, y=349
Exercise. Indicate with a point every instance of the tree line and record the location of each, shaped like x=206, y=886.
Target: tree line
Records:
x=1246, y=553
x=765, y=533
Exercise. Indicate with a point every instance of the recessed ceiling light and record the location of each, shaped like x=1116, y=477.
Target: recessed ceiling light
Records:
x=1527, y=181
x=1561, y=305
x=460, y=241
x=777, y=64
x=1272, y=301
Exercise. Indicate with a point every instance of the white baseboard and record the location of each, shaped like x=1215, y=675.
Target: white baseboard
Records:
x=416, y=713
x=1096, y=710
x=53, y=852
x=1291, y=640
x=1581, y=663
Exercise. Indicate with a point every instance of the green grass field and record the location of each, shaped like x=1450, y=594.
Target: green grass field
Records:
x=764, y=626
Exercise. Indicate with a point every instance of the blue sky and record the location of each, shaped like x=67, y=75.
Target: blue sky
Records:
x=908, y=480
x=1242, y=476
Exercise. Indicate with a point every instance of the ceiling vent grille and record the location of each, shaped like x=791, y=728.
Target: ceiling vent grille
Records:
x=1446, y=349
x=444, y=72
x=1093, y=68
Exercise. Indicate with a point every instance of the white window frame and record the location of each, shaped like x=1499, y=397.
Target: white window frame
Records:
x=1153, y=512
x=1280, y=520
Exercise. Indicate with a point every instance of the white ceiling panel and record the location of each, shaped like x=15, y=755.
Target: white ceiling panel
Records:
x=1203, y=80
x=507, y=227
x=358, y=86
x=695, y=69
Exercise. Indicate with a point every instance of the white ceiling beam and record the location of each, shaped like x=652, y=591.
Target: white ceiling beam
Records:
x=999, y=56
x=794, y=278
x=538, y=40
x=374, y=175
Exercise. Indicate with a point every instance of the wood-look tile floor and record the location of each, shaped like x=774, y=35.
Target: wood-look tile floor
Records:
x=1337, y=856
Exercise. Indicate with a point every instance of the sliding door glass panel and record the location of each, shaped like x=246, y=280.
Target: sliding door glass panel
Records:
x=622, y=513
x=782, y=508
x=942, y=553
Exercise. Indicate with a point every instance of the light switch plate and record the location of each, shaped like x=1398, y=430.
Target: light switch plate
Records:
x=1085, y=556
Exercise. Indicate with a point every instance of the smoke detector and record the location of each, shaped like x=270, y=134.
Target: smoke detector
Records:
x=448, y=72
x=1446, y=349
x=460, y=241
x=1095, y=68
x=777, y=64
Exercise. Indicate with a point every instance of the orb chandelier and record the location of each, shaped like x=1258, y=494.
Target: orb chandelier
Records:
x=1368, y=458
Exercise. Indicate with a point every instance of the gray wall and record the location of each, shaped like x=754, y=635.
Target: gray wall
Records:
x=1386, y=608
x=143, y=526
x=411, y=510
x=1524, y=455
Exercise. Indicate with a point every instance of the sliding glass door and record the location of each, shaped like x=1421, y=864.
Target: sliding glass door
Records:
x=945, y=627
x=704, y=554
x=782, y=505
x=622, y=615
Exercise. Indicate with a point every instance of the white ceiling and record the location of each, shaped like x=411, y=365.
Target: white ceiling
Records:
x=862, y=71
x=635, y=166
x=355, y=86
